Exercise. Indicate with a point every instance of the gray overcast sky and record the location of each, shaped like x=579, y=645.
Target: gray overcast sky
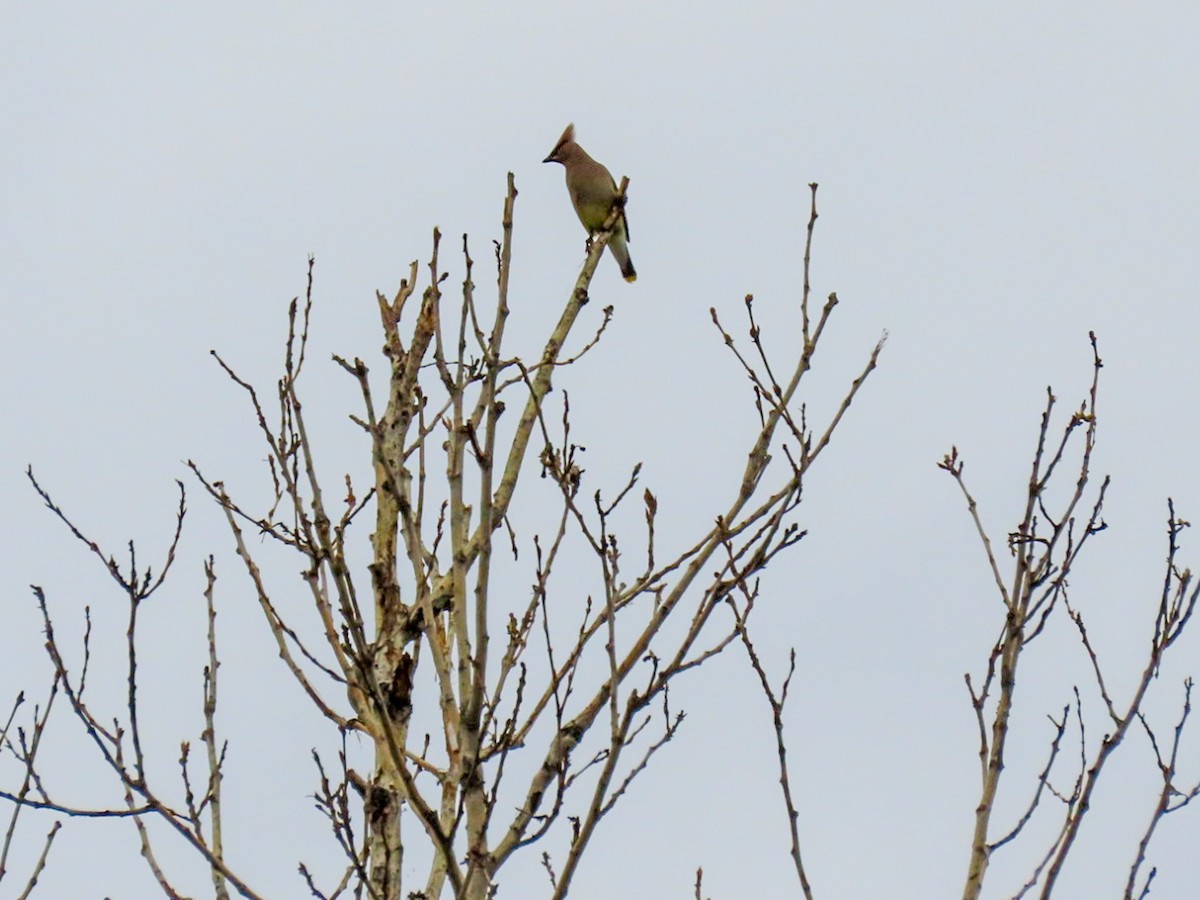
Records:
x=996, y=180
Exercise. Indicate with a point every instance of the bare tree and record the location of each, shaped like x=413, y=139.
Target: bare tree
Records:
x=510, y=681
x=1045, y=548
x=495, y=718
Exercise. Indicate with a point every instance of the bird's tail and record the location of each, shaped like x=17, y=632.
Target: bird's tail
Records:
x=620, y=253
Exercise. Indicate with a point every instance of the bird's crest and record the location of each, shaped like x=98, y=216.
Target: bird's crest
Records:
x=568, y=136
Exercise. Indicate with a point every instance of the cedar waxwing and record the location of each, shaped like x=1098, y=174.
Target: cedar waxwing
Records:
x=593, y=191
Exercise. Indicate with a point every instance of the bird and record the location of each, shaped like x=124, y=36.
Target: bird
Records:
x=593, y=193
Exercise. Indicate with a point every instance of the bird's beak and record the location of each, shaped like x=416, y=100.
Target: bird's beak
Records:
x=550, y=158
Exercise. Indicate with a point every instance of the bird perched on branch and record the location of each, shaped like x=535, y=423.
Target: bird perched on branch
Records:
x=593, y=193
